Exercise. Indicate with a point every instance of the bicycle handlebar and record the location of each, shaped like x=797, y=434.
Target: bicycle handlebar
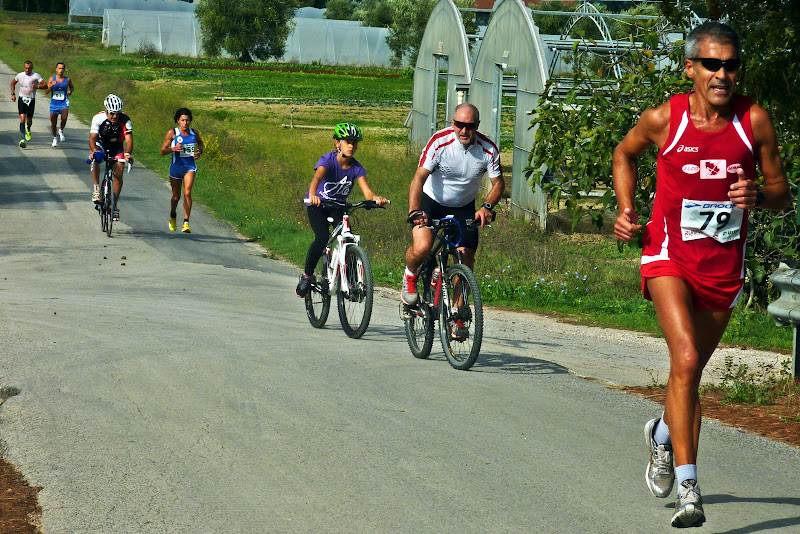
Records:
x=100, y=157
x=366, y=204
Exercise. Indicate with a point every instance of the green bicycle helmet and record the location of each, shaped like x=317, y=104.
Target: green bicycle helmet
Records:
x=347, y=130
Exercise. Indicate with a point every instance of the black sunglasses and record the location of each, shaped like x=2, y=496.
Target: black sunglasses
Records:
x=713, y=64
x=465, y=125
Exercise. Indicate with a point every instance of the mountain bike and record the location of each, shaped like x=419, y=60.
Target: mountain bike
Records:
x=449, y=293
x=347, y=272
x=108, y=201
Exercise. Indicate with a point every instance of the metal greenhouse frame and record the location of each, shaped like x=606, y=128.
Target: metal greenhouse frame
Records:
x=444, y=51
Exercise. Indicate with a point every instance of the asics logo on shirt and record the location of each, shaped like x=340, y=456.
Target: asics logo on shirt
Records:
x=683, y=148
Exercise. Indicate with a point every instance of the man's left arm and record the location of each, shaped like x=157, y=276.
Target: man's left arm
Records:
x=484, y=214
x=128, y=140
x=774, y=193
x=128, y=146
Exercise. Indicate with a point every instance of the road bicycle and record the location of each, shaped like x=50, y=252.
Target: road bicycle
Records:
x=346, y=271
x=449, y=293
x=108, y=201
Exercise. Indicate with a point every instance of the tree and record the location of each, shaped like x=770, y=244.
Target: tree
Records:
x=410, y=17
x=377, y=14
x=340, y=10
x=245, y=28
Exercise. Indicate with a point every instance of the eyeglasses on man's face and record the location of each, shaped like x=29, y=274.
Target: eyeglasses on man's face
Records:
x=713, y=64
x=465, y=125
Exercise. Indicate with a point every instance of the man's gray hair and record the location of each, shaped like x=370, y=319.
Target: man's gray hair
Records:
x=715, y=31
x=470, y=106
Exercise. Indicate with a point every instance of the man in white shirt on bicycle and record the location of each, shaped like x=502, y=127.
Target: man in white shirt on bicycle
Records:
x=112, y=133
x=446, y=183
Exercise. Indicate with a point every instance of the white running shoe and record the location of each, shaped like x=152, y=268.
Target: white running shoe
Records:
x=55, y=142
x=689, y=506
x=61, y=135
x=408, y=293
x=660, y=473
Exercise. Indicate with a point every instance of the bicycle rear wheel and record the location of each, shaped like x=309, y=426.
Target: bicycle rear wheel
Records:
x=318, y=303
x=355, y=305
x=418, y=323
x=461, y=319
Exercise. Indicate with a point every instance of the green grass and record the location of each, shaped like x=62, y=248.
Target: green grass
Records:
x=763, y=386
x=254, y=174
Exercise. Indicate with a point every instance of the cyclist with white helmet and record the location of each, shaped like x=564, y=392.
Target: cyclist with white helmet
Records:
x=334, y=175
x=112, y=134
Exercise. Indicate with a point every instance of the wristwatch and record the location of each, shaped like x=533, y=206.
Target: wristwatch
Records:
x=759, y=197
x=488, y=206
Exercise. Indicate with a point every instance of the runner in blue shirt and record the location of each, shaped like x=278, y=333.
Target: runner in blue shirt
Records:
x=60, y=86
x=185, y=146
x=334, y=175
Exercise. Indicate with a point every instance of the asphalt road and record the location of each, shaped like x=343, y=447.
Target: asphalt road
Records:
x=170, y=382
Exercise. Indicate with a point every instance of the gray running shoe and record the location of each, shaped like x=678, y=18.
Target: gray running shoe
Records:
x=689, y=506
x=660, y=473
x=408, y=294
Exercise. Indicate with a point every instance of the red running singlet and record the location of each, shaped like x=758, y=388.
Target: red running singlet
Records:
x=694, y=227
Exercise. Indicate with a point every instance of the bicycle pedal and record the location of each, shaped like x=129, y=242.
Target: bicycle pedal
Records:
x=406, y=311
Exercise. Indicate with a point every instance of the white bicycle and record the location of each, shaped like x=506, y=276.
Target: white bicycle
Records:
x=347, y=272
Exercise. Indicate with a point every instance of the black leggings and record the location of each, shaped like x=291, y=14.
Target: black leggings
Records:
x=318, y=218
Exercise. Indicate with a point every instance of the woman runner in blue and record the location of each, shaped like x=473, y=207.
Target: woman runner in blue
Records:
x=185, y=145
x=60, y=86
x=334, y=175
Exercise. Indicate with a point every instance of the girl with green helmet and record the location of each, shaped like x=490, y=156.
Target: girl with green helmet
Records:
x=334, y=176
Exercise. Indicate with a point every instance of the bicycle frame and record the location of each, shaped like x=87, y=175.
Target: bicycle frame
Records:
x=341, y=237
x=441, y=250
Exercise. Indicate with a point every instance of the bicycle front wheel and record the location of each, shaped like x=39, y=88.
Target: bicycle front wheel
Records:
x=107, y=200
x=318, y=303
x=419, y=329
x=355, y=304
x=101, y=209
x=110, y=207
x=461, y=317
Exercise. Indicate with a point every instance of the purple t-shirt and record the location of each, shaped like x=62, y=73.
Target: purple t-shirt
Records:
x=337, y=182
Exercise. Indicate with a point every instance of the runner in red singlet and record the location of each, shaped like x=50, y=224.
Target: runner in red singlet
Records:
x=709, y=142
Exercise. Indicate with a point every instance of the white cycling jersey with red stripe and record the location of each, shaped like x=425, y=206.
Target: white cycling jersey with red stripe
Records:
x=456, y=171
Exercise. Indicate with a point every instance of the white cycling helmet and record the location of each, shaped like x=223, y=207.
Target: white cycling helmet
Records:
x=113, y=103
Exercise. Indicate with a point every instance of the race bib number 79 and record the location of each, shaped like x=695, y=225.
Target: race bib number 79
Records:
x=719, y=220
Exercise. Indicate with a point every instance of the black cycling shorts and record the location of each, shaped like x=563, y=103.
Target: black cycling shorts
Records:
x=434, y=210
x=26, y=109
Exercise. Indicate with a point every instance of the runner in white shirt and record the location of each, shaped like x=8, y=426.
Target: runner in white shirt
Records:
x=446, y=183
x=29, y=82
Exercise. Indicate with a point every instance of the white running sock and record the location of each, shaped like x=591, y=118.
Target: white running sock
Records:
x=686, y=472
x=661, y=434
